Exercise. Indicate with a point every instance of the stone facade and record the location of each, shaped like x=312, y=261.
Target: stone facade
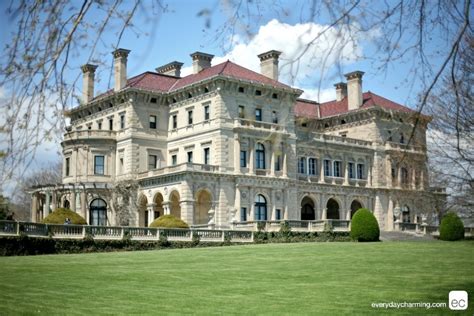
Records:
x=227, y=145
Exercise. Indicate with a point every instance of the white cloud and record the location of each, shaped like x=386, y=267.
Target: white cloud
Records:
x=309, y=50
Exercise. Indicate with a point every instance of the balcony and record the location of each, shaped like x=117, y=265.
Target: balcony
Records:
x=184, y=167
x=90, y=134
x=243, y=123
x=404, y=147
x=333, y=139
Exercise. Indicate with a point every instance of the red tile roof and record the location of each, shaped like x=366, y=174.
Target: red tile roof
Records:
x=305, y=108
x=163, y=83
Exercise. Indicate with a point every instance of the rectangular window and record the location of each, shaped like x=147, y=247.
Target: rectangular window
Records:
x=312, y=166
x=241, y=111
x=360, y=171
x=351, y=170
x=175, y=121
x=98, y=164
x=99, y=125
x=302, y=165
x=278, y=163
x=152, y=159
x=67, y=166
x=174, y=160
x=152, y=120
x=327, y=168
x=207, y=156
x=190, y=117
x=122, y=121
x=207, y=113
x=337, y=169
x=111, y=124
x=274, y=117
x=190, y=156
x=243, y=214
x=243, y=159
x=258, y=115
x=277, y=214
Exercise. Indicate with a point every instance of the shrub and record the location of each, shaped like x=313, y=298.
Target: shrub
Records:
x=169, y=221
x=59, y=217
x=364, y=226
x=451, y=227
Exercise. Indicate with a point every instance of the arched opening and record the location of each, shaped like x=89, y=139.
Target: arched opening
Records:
x=355, y=205
x=405, y=214
x=202, y=207
x=66, y=204
x=142, y=211
x=175, y=208
x=332, y=209
x=98, y=213
x=260, y=208
x=158, y=200
x=307, y=209
x=260, y=156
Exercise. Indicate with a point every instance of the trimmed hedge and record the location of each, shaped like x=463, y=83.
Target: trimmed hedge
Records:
x=451, y=228
x=364, y=226
x=59, y=217
x=24, y=245
x=169, y=221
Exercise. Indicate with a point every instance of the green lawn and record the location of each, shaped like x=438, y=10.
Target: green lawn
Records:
x=310, y=278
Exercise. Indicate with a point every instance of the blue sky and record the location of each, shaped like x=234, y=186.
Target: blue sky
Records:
x=180, y=31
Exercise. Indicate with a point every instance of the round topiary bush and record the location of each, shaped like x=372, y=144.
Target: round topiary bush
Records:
x=60, y=214
x=364, y=226
x=451, y=227
x=169, y=221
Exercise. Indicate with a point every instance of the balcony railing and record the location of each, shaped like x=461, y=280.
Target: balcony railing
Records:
x=404, y=147
x=259, y=125
x=89, y=134
x=295, y=225
x=12, y=228
x=179, y=168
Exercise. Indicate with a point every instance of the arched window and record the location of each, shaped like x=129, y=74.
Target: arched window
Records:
x=355, y=206
x=332, y=209
x=66, y=204
x=307, y=209
x=98, y=213
x=260, y=208
x=260, y=156
x=404, y=176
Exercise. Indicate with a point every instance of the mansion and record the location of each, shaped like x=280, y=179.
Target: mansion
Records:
x=227, y=145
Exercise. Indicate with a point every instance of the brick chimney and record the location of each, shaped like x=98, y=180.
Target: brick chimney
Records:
x=354, y=89
x=201, y=61
x=88, y=74
x=341, y=90
x=171, y=69
x=269, y=64
x=120, y=68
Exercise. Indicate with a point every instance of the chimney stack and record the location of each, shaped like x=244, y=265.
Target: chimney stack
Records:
x=341, y=90
x=120, y=68
x=269, y=64
x=354, y=89
x=201, y=61
x=171, y=69
x=88, y=74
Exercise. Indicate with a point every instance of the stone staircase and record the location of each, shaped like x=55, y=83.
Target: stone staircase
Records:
x=404, y=236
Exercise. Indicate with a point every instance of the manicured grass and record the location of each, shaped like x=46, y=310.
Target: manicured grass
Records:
x=292, y=279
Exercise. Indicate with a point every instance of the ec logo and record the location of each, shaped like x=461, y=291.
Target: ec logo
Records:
x=458, y=300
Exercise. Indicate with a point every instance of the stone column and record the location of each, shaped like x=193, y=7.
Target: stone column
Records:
x=151, y=212
x=34, y=207
x=413, y=178
x=285, y=161
x=399, y=177
x=390, y=214
x=237, y=203
x=187, y=203
x=273, y=215
x=73, y=200
x=346, y=172
x=348, y=215
x=422, y=180
x=325, y=214
x=287, y=202
x=272, y=159
x=166, y=207
x=54, y=201
x=47, y=204
x=369, y=173
x=236, y=154
x=252, y=204
x=83, y=205
x=251, y=156
x=321, y=170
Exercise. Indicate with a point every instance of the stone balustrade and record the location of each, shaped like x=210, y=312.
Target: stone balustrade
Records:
x=89, y=134
x=178, y=168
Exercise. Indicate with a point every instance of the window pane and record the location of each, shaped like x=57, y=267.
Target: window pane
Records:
x=153, y=121
x=243, y=159
x=99, y=165
x=258, y=114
